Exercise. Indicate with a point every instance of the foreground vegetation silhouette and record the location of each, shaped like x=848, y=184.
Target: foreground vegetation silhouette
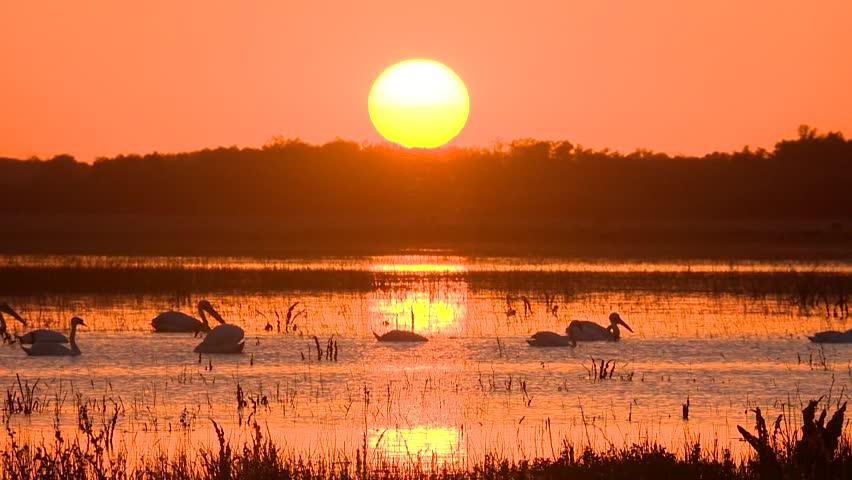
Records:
x=818, y=450
x=342, y=193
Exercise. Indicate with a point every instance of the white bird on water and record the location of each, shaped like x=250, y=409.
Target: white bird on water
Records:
x=832, y=336
x=55, y=349
x=551, y=339
x=225, y=338
x=586, y=331
x=42, y=335
x=400, y=336
x=179, y=322
x=4, y=333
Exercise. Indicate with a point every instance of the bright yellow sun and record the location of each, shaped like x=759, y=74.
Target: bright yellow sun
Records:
x=419, y=103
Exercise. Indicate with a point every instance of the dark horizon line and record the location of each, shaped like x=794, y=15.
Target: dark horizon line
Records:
x=804, y=131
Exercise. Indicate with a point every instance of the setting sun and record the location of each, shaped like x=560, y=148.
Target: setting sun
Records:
x=350, y=240
x=419, y=104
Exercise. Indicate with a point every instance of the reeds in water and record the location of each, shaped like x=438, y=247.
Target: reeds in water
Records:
x=816, y=450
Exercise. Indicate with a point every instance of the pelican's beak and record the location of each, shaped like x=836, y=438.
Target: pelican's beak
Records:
x=7, y=309
x=216, y=315
x=625, y=325
x=213, y=313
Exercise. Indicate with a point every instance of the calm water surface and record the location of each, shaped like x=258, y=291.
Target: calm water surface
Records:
x=474, y=388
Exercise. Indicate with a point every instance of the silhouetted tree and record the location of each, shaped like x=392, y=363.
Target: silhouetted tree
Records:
x=530, y=183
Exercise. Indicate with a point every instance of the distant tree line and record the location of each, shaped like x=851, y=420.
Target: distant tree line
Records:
x=521, y=183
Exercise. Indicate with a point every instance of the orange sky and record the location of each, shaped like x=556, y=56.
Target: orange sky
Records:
x=102, y=77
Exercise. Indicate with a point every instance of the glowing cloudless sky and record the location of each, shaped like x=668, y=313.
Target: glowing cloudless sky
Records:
x=100, y=77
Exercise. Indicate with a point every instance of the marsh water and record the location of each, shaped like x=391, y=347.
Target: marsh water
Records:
x=475, y=388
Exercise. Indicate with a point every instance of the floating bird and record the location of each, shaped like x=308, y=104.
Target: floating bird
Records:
x=222, y=339
x=55, y=349
x=225, y=338
x=175, y=322
x=551, y=339
x=585, y=331
x=832, y=336
x=42, y=335
x=4, y=333
x=400, y=336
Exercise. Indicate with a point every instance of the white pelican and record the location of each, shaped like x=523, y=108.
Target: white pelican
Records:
x=44, y=349
x=4, y=333
x=585, y=331
x=400, y=336
x=42, y=335
x=551, y=339
x=172, y=322
x=224, y=338
x=832, y=336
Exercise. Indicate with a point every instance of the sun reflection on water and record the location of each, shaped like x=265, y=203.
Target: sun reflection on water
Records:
x=476, y=388
x=417, y=264
x=421, y=307
x=420, y=442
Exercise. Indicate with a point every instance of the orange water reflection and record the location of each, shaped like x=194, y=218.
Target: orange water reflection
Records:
x=417, y=264
x=476, y=389
x=420, y=442
x=421, y=264
x=424, y=307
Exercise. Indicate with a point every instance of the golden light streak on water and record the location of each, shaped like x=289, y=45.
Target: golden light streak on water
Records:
x=428, y=310
x=474, y=388
x=418, y=442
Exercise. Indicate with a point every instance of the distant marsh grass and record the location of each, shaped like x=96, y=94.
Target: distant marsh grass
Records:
x=817, y=290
